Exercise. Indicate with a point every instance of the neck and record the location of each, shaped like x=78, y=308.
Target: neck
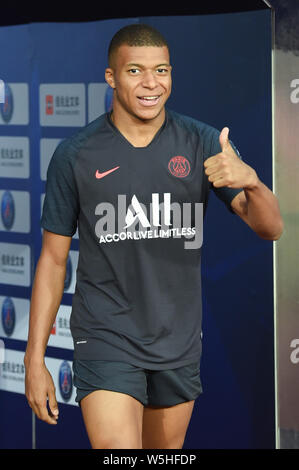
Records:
x=137, y=131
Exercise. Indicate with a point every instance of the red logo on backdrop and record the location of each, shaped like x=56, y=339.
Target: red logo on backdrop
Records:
x=49, y=104
x=53, y=331
x=179, y=166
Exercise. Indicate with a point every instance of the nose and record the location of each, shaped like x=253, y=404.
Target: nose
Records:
x=149, y=79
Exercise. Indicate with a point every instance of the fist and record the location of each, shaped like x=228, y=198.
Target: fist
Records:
x=227, y=169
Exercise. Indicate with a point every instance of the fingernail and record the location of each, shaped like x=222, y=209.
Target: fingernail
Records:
x=55, y=412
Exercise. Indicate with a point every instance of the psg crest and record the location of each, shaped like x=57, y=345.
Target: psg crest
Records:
x=8, y=316
x=179, y=166
x=6, y=108
x=65, y=380
x=7, y=210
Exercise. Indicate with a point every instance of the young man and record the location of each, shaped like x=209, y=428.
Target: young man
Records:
x=131, y=179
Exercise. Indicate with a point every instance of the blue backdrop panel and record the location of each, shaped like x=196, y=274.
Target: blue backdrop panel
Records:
x=222, y=76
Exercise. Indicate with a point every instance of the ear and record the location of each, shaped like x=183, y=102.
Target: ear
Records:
x=109, y=77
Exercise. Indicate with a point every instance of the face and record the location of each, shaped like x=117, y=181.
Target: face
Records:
x=141, y=79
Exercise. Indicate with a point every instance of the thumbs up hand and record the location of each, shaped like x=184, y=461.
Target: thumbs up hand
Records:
x=227, y=169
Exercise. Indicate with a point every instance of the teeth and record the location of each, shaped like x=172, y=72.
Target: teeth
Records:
x=149, y=97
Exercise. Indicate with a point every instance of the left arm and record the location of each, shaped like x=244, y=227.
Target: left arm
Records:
x=256, y=204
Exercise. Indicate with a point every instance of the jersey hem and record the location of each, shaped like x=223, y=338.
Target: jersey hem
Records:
x=58, y=231
x=139, y=363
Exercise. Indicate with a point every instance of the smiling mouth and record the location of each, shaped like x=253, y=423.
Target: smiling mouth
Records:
x=149, y=100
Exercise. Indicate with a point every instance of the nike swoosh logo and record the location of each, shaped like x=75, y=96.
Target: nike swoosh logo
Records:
x=105, y=173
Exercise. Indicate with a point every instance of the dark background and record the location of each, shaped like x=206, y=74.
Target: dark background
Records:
x=26, y=12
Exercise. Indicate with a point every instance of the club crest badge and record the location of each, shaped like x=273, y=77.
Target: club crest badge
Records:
x=179, y=166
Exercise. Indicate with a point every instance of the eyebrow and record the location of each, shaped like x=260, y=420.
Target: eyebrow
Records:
x=142, y=66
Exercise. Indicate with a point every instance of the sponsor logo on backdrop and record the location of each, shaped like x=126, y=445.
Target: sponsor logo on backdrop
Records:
x=15, y=211
x=65, y=380
x=7, y=106
x=12, y=371
x=53, y=331
x=15, y=264
x=49, y=104
x=7, y=210
x=14, y=157
x=13, y=367
x=109, y=99
x=8, y=315
x=14, y=317
x=61, y=334
x=63, y=324
x=295, y=93
x=68, y=274
x=15, y=108
x=62, y=104
x=295, y=353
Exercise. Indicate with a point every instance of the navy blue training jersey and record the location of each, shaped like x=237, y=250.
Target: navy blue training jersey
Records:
x=139, y=213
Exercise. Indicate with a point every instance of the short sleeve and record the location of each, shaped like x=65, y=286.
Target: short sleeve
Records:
x=225, y=194
x=61, y=203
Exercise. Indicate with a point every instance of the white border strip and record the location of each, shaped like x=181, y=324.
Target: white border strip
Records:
x=277, y=434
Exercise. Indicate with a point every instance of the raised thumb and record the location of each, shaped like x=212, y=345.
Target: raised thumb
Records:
x=223, y=139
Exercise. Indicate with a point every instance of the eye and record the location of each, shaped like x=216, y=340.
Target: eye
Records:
x=134, y=71
x=162, y=71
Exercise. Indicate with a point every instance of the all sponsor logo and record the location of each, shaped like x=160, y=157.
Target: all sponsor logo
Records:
x=65, y=381
x=7, y=210
x=7, y=107
x=8, y=316
x=161, y=220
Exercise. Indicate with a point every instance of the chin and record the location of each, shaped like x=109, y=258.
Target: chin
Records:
x=149, y=115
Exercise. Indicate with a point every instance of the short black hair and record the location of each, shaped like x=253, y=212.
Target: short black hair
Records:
x=135, y=35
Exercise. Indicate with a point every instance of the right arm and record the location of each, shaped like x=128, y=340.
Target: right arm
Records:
x=47, y=291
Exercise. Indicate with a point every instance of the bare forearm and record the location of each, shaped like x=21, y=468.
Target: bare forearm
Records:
x=263, y=211
x=46, y=296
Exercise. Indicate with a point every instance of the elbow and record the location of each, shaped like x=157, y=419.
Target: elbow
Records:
x=273, y=235
x=280, y=230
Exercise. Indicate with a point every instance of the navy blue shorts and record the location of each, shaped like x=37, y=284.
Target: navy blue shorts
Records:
x=151, y=387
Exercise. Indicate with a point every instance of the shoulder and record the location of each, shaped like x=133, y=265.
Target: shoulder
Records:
x=192, y=125
x=68, y=148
